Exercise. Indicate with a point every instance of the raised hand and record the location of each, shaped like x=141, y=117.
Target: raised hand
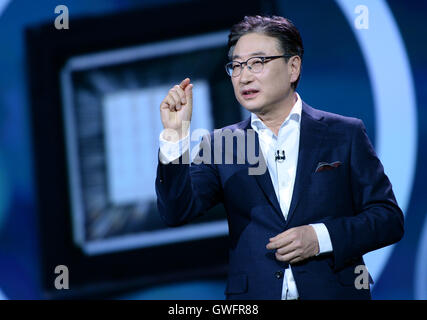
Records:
x=176, y=109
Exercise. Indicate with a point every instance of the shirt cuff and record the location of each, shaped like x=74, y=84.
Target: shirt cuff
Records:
x=323, y=238
x=169, y=151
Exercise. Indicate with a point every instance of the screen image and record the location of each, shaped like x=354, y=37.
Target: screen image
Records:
x=112, y=121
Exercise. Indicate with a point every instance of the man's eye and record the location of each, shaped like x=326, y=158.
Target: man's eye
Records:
x=256, y=62
x=235, y=65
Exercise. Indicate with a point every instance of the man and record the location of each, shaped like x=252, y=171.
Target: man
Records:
x=298, y=230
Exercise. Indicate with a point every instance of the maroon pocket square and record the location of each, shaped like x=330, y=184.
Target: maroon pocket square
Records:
x=322, y=166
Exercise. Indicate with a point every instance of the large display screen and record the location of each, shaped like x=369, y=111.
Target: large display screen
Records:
x=112, y=125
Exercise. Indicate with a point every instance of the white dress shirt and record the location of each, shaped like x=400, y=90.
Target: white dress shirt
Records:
x=282, y=173
x=283, y=176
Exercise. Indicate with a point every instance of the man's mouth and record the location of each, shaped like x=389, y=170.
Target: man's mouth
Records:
x=249, y=93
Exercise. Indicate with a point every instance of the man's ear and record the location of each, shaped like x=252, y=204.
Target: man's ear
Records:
x=294, y=68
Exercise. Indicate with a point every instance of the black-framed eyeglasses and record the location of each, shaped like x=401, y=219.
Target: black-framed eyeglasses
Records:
x=255, y=64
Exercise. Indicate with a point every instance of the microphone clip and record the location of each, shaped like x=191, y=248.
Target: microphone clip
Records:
x=278, y=157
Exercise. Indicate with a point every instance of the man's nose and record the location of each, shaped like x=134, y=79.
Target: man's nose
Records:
x=246, y=76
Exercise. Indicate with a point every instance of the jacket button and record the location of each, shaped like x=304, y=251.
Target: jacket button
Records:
x=279, y=274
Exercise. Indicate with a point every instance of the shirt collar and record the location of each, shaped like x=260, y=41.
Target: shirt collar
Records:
x=295, y=114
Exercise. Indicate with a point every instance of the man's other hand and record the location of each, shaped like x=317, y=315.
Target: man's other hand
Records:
x=295, y=244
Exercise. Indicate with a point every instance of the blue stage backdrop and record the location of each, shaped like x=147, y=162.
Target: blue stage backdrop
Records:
x=79, y=125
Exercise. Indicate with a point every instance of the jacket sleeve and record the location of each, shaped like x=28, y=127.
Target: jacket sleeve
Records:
x=377, y=220
x=185, y=191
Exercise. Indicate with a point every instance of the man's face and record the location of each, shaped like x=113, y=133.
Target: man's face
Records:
x=264, y=91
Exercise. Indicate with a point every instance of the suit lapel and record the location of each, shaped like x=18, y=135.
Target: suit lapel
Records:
x=263, y=180
x=312, y=133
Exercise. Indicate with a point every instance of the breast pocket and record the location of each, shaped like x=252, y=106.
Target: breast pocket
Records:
x=327, y=192
x=327, y=180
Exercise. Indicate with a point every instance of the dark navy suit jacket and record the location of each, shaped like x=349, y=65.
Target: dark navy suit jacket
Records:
x=354, y=200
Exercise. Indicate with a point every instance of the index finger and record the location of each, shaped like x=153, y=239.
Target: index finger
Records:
x=184, y=83
x=279, y=243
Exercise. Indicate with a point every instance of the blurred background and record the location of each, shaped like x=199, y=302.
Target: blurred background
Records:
x=80, y=88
